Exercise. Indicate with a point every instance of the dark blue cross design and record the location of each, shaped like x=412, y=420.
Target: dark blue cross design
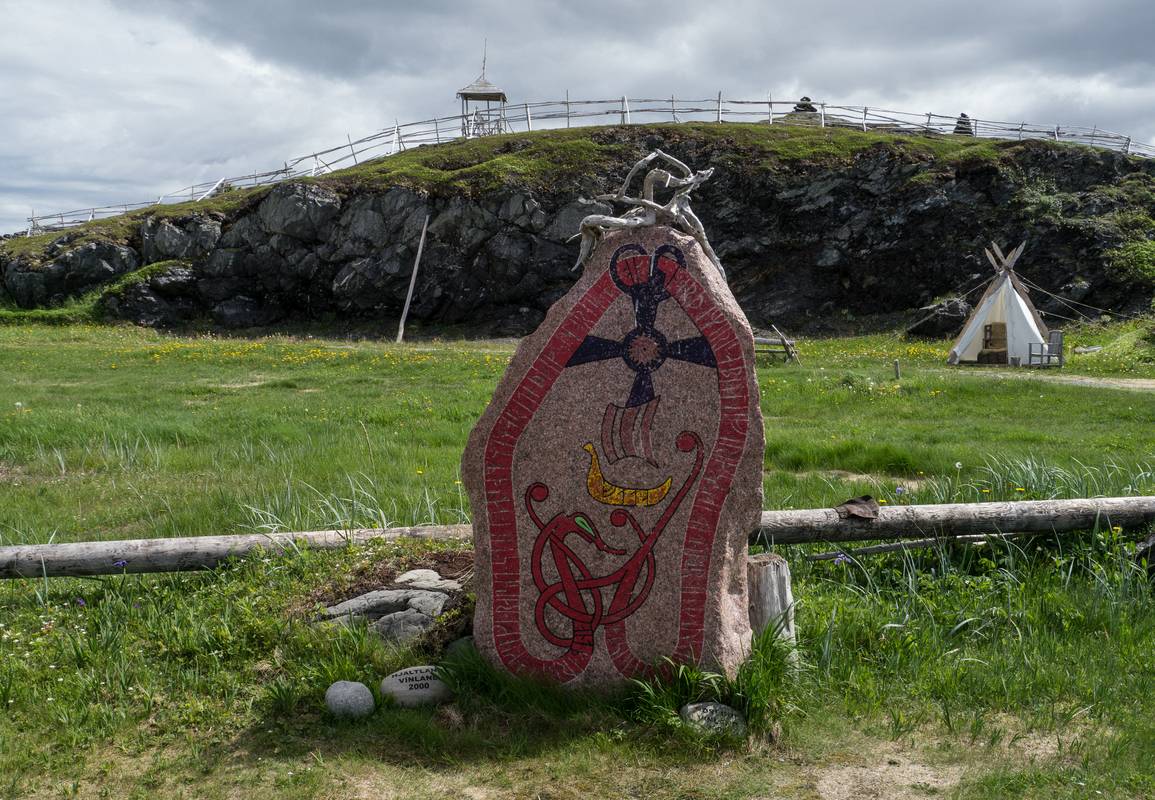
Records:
x=644, y=349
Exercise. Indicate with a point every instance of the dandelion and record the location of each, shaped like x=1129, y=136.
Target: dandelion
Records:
x=1019, y=489
x=19, y=404
x=958, y=465
x=420, y=472
x=986, y=491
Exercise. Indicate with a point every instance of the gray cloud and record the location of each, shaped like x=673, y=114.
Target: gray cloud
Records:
x=121, y=100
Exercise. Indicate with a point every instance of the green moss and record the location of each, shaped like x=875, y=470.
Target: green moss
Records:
x=124, y=228
x=140, y=276
x=544, y=160
x=89, y=306
x=1134, y=262
x=1135, y=189
x=76, y=311
x=553, y=160
x=534, y=161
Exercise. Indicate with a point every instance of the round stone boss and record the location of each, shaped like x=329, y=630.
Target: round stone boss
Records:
x=617, y=472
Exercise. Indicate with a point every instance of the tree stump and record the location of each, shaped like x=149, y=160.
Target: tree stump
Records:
x=770, y=598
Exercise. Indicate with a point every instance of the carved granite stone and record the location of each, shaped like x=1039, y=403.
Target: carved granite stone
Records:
x=616, y=473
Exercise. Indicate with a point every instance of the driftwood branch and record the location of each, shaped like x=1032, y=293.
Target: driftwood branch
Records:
x=777, y=528
x=953, y=519
x=188, y=553
x=645, y=212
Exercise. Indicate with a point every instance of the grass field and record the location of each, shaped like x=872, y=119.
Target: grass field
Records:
x=1012, y=671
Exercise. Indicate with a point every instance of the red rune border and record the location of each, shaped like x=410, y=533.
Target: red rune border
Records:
x=709, y=497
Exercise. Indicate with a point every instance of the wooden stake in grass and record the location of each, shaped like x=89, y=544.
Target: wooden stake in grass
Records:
x=771, y=599
x=412, y=282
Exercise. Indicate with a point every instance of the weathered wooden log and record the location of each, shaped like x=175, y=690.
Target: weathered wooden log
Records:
x=771, y=600
x=79, y=559
x=777, y=527
x=953, y=519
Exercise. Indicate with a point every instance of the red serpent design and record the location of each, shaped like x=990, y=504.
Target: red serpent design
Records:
x=568, y=595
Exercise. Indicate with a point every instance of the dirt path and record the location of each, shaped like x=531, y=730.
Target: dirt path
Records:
x=1129, y=384
x=1133, y=384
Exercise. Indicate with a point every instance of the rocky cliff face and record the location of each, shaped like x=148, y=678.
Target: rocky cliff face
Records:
x=814, y=237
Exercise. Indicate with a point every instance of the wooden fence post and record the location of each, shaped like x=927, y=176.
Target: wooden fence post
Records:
x=412, y=282
x=822, y=115
x=1056, y=133
x=352, y=152
x=1021, y=126
x=719, y=107
x=771, y=600
x=436, y=130
x=673, y=109
x=864, y=119
x=567, y=109
x=770, y=107
x=1127, y=146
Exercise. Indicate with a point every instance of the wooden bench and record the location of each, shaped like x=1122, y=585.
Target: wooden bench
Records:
x=774, y=348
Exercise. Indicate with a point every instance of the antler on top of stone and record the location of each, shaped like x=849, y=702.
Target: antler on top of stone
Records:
x=646, y=212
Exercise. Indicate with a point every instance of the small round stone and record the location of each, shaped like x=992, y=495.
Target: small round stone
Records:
x=349, y=700
x=459, y=647
x=714, y=719
x=416, y=686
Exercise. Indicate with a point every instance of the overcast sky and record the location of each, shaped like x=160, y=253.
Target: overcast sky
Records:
x=107, y=101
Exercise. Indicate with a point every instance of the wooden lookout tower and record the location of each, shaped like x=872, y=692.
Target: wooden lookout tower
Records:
x=475, y=119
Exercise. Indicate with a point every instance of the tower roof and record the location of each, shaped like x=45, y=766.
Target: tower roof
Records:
x=482, y=89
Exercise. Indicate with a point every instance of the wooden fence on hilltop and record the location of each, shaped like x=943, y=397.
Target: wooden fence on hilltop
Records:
x=621, y=111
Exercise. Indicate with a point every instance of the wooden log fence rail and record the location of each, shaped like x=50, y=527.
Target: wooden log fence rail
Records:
x=777, y=528
x=622, y=110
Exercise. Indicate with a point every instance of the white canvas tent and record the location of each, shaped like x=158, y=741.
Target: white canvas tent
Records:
x=1005, y=327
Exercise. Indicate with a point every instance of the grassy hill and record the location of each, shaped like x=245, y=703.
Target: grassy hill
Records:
x=829, y=229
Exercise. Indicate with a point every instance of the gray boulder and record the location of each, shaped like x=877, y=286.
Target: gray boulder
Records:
x=374, y=281
x=178, y=282
x=713, y=719
x=567, y=221
x=416, y=686
x=427, y=579
x=349, y=700
x=70, y=274
x=162, y=239
x=460, y=646
x=301, y=210
x=402, y=626
x=142, y=306
x=244, y=312
x=397, y=615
